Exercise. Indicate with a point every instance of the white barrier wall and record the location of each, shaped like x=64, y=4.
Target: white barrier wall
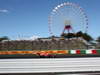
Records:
x=49, y=65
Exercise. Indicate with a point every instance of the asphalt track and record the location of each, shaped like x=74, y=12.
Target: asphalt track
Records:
x=89, y=73
x=53, y=66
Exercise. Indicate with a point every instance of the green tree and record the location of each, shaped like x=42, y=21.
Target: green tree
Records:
x=2, y=39
x=87, y=37
x=98, y=39
x=79, y=34
x=68, y=35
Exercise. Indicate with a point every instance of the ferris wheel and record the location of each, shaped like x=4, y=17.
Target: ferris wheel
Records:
x=67, y=17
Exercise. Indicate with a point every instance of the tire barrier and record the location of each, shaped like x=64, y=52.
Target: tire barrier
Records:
x=47, y=52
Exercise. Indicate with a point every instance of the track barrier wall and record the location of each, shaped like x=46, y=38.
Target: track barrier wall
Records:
x=44, y=52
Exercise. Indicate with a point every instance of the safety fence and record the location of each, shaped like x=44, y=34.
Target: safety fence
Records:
x=47, y=52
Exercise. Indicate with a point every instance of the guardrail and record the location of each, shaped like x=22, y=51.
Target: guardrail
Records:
x=52, y=65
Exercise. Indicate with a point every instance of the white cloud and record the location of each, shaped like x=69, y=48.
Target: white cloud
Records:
x=3, y=10
x=34, y=37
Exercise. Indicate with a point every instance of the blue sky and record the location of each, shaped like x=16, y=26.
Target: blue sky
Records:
x=26, y=18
